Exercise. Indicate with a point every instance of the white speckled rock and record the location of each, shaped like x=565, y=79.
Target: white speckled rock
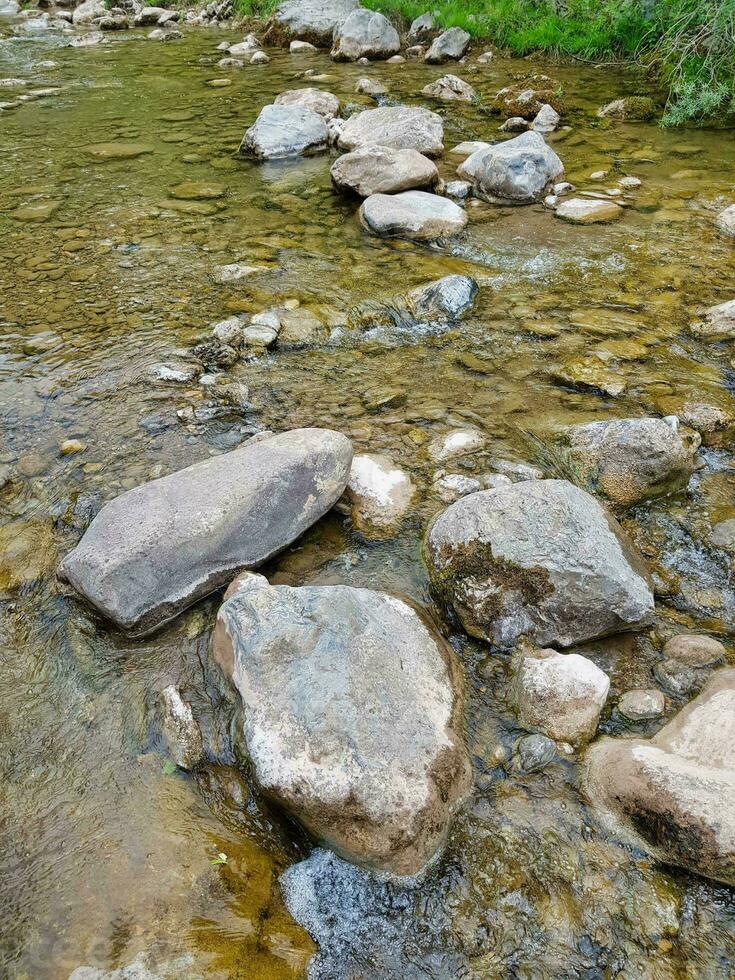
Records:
x=449, y=88
x=518, y=171
x=726, y=221
x=718, y=322
x=379, y=493
x=546, y=119
x=450, y=45
x=283, y=131
x=415, y=215
x=559, y=694
x=448, y=298
x=588, y=211
x=323, y=103
x=458, y=442
x=312, y=20
x=400, y=127
x=365, y=34
x=352, y=714
x=180, y=731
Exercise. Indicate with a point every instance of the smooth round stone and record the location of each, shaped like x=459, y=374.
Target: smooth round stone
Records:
x=642, y=704
x=178, y=115
x=584, y=211
x=117, y=151
x=535, y=752
x=676, y=678
x=219, y=82
x=694, y=650
x=197, y=191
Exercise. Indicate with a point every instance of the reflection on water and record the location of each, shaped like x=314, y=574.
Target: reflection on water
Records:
x=106, y=856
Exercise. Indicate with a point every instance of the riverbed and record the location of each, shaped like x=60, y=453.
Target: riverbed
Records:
x=108, y=856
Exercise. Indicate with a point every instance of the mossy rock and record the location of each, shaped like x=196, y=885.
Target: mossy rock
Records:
x=525, y=97
x=632, y=108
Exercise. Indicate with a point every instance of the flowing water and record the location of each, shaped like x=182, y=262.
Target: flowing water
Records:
x=106, y=854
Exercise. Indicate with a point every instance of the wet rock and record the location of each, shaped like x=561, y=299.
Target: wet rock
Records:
x=301, y=47
x=526, y=97
x=260, y=58
x=88, y=11
x=35, y=211
x=632, y=108
x=718, y=322
x=383, y=170
x=449, y=46
x=695, y=650
x=365, y=34
x=560, y=695
x=369, y=86
x=415, y=51
x=534, y=753
x=114, y=22
x=593, y=373
x=164, y=34
x=630, y=460
x=674, y=794
x=677, y=678
x=458, y=442
x=447, y=299
x=27, y=552
x=516, y=124
x=398, y=127
x=458, y=189
x=245, y=49
x=214, y=354
x=70, y=447
x=518, y=171
x=9, y=8
x=312, y=20
x=516, y=471
x=469, y=147
x=422, y=29
x=452, y=486
x=155, y=550
x=352, y=708
x=541, y=559
x=323, y=103
x=449, y=88
x=283, y=131
x=88, y=40
x=722, y=535
x=415, y=215
x=726, y=221
x=630, y=183
x=235, y=271
x=178, y=371
x=181, y=733
x=198, y=190
x=148, y=16
x=119, y=150
x=379, y=493
x=588, y=211
x=642, y=704
x=546, y=119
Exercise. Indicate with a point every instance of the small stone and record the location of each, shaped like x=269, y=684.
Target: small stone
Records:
x=630, y=183
x=301, y=47
x=535, y=752
x=546, y=119
x=453, y=486
x=181, y=733
x=70, y=447
x=677, y=678
x=449, y=88
x=722, y=535
x=726, y=221
x=515, y=124
x=260, y=58
x=369, y=86
x=642, y=704
x=379, y=492
x=694, y=650
x=458, y=442
x=235, y=271
x=581, y=211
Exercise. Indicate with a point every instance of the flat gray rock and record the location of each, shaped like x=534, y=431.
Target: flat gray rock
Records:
x=541, y=559
x=518, y=171
x=365, y=34
x=400, y=127
x=383, y=170
x=325, y=104
x=284, y=131
x=352, y=715
x=155, y=550
x=414, y=214
x=312, y=20
x=449, y=46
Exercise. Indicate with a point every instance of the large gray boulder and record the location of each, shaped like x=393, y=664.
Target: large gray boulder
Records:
x=365, y=34
x=155, y=550
x=284, y=131
x=325, y=104
x=352, y=715
x=674, y=795
x=88, y=11
x=630, y=460
x=383, y=170
x=519, y=171
x=421, y=30
x=451, y=45
x=541, y=559
x=400, y=127
x=311, y=20
x=416, y=215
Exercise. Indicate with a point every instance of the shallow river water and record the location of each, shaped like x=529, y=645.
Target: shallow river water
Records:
x=106, y=855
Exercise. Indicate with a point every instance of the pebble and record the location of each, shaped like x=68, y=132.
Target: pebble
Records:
x=535, y=752
x=71, y=446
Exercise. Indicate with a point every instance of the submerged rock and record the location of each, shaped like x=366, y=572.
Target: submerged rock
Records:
x=642, y=704
x=449, y=46
x=726, y=221
x=383, y=170
x=283, y=131
x=413, y=214
x=352, y=714
x=312, y=20
x=399, y=127
x=527, y=97
x=541, y=559
x=365, y=34
x=718, y=322
x=448, y=298
x=323, y=103
x=449, y=88
x=630, y=460
x=560, y=695
x=674, y=794
x=588, y=211
x=379, y=493
x=180, y=731
x=155, y=550
x=518, y=171
x=632, y=107
x=458, y=442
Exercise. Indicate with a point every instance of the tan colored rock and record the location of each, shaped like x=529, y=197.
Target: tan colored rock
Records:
x=383, y=170
x=379, y=492
x=588, y=211
x=694, y=650
x=323, y=103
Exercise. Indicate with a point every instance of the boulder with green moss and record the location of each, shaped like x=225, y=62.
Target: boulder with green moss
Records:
x=632, y=108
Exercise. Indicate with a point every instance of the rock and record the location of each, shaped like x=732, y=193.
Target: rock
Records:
x=164, y=34
x=452, y=486
x=198, y=190
x=588, y=211
x=449, y=88
x=516, y=124
x=726, y=221
x=560, y=695
x=312, y=20
x=412, y=214
x=323, y=103
x=181, y=733
x=88, y=11
x=120, y=150
x=526, y=97
x=632, y=108
x=70, y=447
x=88, y=40
x=458, y=189
x=229, y=331
x=245, y=49
x=235, y=271
x=715, y=425
x=631, y=460
x=518, y=171
x=379, y=493
x=469, y=147
x=398, y=127
x=448, y=298
x=283, y=131
x=718, y=322
x=674, y=795
x=642, y=705
x=180, y=371
x=451, y=45
x=486, y=57
x=155, y=550
x=590, y=372
x=421, y=30
x=369, y=86
x=541, y=559
x=546, y=119
x=352, y=715
x=9, y=8
x=534, y=753
x=695, y=650
x=299, y=328
x=117, y=22
x=630, y=183
x=382, y=170
x=365, y=34
x=722, y=535
x=415, y=51
x=458, y=442
x=148, y=16
x=677, y=678
x=260, y=58
x=302, y=47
